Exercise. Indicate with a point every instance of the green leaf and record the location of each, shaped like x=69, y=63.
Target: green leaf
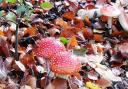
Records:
x=21, y=9
x=11, y=16
x=1, y=1
x=64, y=40
x=46, y=5
x=1, y=13
x=12, y=1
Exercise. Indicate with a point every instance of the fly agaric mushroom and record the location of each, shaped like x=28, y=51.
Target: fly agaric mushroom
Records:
x=65, y=63
x=110, y=11
x=47, y=47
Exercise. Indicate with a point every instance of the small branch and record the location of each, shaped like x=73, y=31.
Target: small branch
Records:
x=24, y=2
x=69, y=83
x=16, y=45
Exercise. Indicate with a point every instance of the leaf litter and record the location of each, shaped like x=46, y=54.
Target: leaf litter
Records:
x=96, y=39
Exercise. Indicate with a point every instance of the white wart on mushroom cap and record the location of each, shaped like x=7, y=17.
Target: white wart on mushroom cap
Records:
x=65, y=63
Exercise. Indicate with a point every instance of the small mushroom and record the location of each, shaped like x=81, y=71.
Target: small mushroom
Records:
x=47, y=47
x=65, y=63
x=123, y=19
x=110, y=11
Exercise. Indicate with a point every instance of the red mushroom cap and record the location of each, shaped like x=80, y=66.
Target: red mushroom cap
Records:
x=65, y=63
x=47, y=47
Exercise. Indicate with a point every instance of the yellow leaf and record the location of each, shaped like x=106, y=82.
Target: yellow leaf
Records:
x=91, y=85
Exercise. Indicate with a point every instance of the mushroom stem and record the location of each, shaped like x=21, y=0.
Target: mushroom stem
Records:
x=69, y=83
x=110, y=24
x=123, y=19
x=48, y=71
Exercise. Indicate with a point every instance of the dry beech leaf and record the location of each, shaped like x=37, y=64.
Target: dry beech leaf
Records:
x=78, y=23
x=2, y=86
x=53, y=31
x=28, y=59
x=98, y=37
x=9, y=34
x=31, y=81
x=100, y=48
x=72, y=42
x=104, y=18
x=100, y=2
x=61, y=23
x=123, y=47
x=3, y=70
x=87, y=21
x=103, y=83
x=69, y=15
x=58, y=83
x=31, y=31
x=104, y=71
x=1, y=33
x=4, y=49
x=73, y=5
x=119, y=33
x=69, y=32
x=87, y=33
x=4, y=4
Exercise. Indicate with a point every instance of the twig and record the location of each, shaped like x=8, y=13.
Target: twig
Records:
x=16, y=45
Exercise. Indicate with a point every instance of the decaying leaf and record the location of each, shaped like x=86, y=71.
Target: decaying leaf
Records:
x=4, y=49
x=58, y=83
